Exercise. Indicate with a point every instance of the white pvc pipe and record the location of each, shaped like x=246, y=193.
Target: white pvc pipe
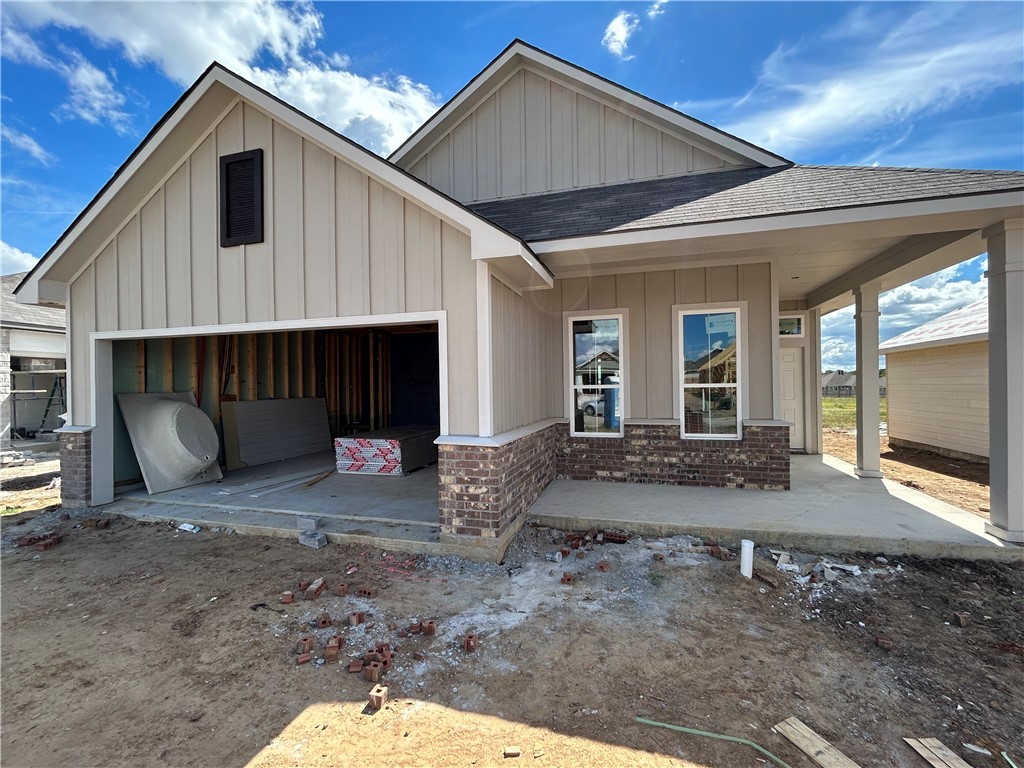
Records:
x=747, y=558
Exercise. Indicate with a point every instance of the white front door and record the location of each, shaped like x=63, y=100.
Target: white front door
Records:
x=792, y=368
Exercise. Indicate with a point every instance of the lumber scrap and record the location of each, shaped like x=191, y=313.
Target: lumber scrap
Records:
x=936, y=753
x=813, y=745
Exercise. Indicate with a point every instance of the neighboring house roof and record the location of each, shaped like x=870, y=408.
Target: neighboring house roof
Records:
x=839, y=379
x=961, y=326
x=603, y=353
x=741, y=193
x=26, y=316
x=519, y=54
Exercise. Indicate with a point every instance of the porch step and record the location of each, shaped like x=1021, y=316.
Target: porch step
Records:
x=392, y=535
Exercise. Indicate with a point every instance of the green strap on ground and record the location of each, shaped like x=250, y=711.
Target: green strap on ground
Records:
x=719, y=736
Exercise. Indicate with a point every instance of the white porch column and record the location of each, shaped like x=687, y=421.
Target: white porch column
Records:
x=869, y=462
x=1005, y=377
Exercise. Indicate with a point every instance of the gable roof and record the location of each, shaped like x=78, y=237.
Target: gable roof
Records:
x=961, y=326
x=741, y=193
x=518, y=54
x=210, y=95
x=15, y=315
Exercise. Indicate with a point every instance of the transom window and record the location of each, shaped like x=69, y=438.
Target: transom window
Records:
x=595, y=370
x=710, y=371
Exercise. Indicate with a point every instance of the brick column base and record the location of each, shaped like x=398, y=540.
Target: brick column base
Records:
x=485, y=492
x=75, y=466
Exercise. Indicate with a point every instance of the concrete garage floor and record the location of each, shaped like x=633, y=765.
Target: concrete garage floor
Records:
x=828, y=509
x=383, y=511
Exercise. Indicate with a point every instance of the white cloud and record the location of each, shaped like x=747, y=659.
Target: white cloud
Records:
x=617, y=34
x=92, y=96
x=274, y=44
x=904, y=308
x=878, y=73
x=656, y=9
x=26, y=144
x=14, y=260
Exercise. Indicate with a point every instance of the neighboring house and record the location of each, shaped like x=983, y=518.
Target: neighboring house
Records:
x=938, y=384
x=32, y=352
x=246, y=251
x=843, y=384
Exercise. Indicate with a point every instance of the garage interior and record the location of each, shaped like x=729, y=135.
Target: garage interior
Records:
x=351, y=381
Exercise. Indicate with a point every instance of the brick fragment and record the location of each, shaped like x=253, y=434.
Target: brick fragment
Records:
x=659, y=556
x=369, y=592
x=603, y=566
x=512, y=752
x=315, y=588
x=341, y=590
x=324, y=620
x=378, y=696
x=580, y=554
x=355, y=666
x=356, y=618
x=416, y=628
x=331, y=654
x=303, y=584
x=962, y=618
x=287, y=597
x=304, y=644
x=470, y=642
x=429, y=628
x=884, y=642
x=304, y=658
x=615, y=537
x=568, y=578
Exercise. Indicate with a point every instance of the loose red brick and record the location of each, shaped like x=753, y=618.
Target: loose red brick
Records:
x=355, y=666
x=304, y=584
x=603, y=566
x=883, y=642
x=373, y=671
x=356, y=618
x=331, y=653
x=341, y=590
x=568, y=578
x=378, y=696
x=565, y=551
x=369, y=592
x=416, y=628
x=304, y=644
x=304, y=658
x=429, y=628
x=659, y=556
x=287, y=597
x=312, y=592
x=324, y=620
x=962, y=618
x=470, y=642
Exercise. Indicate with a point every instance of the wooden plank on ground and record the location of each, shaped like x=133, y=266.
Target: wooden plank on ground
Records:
x=945, y=757
x=819, y=750
x=926, y=753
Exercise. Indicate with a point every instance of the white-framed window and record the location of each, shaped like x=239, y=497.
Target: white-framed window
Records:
x=710, y=356
x=791, y=326
x=595, y=373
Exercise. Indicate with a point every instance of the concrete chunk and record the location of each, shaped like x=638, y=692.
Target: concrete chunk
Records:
x=311, y=539
x=307, y=523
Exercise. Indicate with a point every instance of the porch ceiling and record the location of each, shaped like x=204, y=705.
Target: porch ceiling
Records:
x=819, y=257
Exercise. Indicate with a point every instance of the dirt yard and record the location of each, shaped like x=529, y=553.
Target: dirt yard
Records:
x=963, y=484
x=30, y=488
x=140, y=645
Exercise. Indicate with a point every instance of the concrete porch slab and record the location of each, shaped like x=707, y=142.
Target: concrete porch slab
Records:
x=829, y=509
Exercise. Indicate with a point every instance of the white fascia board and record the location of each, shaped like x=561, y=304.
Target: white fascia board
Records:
x=377, y=167
x=39, y=290
x=519, y=264
x=933, y=343
x=838, y=216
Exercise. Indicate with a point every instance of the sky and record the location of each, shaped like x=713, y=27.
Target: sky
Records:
x=912, y=84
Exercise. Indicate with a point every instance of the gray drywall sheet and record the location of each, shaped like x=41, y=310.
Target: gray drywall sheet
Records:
x=261, y=431
x=175, y=442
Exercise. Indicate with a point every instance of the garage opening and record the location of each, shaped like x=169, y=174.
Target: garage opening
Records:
x=287, y=408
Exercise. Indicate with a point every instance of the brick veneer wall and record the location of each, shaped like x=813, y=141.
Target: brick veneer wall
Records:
x=484, y=491
x=75, y=469
x=650, y=453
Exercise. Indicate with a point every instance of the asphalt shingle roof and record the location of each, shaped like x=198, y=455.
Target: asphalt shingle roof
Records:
x=15, y=315
x=968, y=321
x=741, y=193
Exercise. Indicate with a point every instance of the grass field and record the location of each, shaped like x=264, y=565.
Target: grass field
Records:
x=841, y=412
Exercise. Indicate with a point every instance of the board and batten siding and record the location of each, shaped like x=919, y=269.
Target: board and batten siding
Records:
x=337, y=243
x=526, y=356
x=939, y=397
x=648, y=298
x=534, y=135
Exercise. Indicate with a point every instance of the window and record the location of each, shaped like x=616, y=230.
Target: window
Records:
x=710, y=371
x=791, y=325
x=241, y=198
x=595, y=371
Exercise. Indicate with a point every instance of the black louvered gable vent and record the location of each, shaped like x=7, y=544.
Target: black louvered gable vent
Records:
x=241, y=198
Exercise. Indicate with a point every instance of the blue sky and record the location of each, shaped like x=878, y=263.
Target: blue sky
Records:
x=919, y=84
